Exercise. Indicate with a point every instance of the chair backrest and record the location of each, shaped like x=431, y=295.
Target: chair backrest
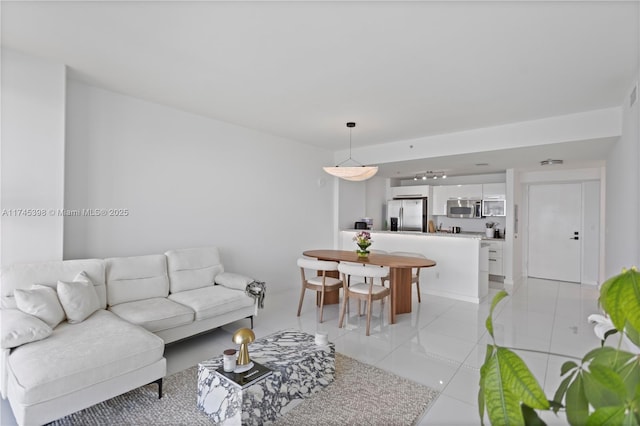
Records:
x=366, y=271
x=317, y=265
x=408, y=254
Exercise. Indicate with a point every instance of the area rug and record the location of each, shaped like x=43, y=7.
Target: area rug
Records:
x=360, y=395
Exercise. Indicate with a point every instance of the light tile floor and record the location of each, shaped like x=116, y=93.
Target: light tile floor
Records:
x=441, y=344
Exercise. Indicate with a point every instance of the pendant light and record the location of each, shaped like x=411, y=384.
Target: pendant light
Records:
x=352, y=173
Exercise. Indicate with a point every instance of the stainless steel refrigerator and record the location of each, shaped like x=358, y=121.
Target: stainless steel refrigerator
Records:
x=407, y=215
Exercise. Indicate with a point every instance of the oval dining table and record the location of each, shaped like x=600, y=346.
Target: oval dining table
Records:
x=399, y=273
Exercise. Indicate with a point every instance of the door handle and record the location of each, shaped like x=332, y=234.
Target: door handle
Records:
x=574, y=238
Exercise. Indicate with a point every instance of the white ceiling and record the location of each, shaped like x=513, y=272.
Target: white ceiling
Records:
x=301, y=69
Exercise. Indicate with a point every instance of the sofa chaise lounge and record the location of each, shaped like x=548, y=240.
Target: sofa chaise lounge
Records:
x=78, y=332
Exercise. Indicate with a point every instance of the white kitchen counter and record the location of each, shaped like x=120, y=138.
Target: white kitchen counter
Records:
x=462, y=264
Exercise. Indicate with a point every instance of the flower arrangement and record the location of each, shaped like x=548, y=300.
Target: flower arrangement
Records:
x=363, y=240
x=490, y=225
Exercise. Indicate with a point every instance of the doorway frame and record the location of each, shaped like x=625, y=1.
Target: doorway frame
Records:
x=528, y=178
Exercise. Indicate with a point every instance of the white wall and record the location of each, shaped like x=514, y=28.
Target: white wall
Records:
x=32, y=158
x=604, y=123
x=622, y=221
x=512, y=248
x=591, y=223
x=190, y=181
x=376, y=201
x=352, y=204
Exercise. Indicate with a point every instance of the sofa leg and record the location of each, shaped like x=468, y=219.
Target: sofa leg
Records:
x=159, y=382
x=251, y=318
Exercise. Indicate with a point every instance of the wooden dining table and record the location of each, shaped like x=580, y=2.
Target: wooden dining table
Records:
x=399, y=273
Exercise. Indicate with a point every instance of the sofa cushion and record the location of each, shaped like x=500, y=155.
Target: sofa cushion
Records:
x=136, y=278
x=208, y=302
x=193, y=268
x=41, y=302
x=78, y=298
x=19, y=328
x=23, y=275
x=77, y=356
x=156, y=314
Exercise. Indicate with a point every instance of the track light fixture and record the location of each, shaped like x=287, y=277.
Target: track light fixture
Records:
x=430, y=175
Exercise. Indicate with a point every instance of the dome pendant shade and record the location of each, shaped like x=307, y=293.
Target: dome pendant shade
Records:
x=355, y=174
x=352, y=173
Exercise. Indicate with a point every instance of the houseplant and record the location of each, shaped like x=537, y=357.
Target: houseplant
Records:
x=603, y=389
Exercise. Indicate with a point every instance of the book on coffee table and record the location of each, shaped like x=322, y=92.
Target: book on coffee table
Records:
x=246, y=378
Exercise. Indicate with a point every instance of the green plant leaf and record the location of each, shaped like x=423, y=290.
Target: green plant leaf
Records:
x=561, y=391
x=631, y=419
x=613, y=416
x=603, y=387
x=610, y=357
x=531, y=417
x=576, y=403
x=598, y=352
x=520, y=380
x=632, y=333
x=555, y=406
x=503, y=407
x=567, y=366
x=630, y=373
x=620, y=298
x=496, y=299
x=483, y=372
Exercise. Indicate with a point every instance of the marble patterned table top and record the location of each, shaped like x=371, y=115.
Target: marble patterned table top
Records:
x=300, y=367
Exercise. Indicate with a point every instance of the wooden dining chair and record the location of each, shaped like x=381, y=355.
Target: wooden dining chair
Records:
x=415, y=272
x=320, y=282
x=367, y=290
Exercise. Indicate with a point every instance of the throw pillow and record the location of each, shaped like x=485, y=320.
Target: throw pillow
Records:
x=41, y=302
x=79, y=299
x=19, y=328
x=231, y=280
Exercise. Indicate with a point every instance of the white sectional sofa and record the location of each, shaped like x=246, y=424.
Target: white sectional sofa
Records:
x=78, y=332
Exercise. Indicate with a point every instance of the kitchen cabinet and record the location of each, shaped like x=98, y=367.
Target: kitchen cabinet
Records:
x=414, y=191
x=443, y=193
x=495, y=258
x=465, y=192
x=494, y=191
x=439, y=201
x=493, y=199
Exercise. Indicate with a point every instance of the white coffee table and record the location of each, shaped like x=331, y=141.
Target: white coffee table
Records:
x=300, y=369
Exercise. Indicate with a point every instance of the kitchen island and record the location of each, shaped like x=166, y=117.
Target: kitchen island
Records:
x=462, y=269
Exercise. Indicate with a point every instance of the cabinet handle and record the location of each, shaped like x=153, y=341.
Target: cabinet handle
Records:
x=493, y=260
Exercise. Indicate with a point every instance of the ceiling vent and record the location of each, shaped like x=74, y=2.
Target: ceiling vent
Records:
x=550, y=162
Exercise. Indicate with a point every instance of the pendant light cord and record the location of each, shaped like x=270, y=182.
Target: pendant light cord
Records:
x=359, y=164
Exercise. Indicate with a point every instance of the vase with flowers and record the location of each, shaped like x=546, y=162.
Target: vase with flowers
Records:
x=363, y=240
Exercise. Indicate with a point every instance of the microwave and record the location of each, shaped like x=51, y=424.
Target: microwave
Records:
x=464, y=208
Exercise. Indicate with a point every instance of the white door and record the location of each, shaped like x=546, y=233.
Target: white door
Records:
x=555, y=212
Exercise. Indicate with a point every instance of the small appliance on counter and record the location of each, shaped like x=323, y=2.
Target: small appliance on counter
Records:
x=455, y=229
x=360, y=225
